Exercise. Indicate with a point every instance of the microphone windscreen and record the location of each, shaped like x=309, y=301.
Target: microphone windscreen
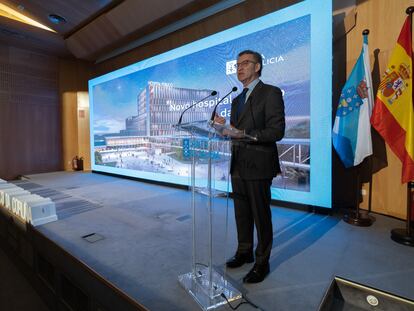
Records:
x=234, y=89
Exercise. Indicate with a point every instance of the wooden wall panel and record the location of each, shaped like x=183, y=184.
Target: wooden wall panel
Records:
x=30, y=127
x=69, y=128
x=84, y=142
x=73, y=84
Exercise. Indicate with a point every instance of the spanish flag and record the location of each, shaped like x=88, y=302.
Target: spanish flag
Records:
x=393, y=113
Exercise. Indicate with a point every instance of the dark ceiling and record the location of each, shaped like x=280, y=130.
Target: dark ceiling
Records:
x=93, y=27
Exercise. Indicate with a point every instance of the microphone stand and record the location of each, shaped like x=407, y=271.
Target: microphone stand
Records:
x=234, y=89
x=181, y=116
x=230, y=131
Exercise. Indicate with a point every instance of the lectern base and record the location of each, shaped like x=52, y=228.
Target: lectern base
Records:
x=208, y=297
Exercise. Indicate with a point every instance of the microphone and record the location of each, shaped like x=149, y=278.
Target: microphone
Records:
x=213, y=114
x=181, y=116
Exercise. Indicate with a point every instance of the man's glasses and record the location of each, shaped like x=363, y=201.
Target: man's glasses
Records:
x=244, y=63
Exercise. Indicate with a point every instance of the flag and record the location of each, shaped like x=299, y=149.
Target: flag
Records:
x=351, y=134
x=393, y=115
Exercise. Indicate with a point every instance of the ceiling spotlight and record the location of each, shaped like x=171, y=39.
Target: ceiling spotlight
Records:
x=57, y=19
x=8, y=12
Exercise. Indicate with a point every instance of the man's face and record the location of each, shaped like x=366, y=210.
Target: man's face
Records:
x=247, y=69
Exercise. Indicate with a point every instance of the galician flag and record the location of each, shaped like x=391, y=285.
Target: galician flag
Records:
x=352, y=130
x=393, y=114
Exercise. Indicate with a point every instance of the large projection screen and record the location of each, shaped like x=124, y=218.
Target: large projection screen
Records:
x=133, y=108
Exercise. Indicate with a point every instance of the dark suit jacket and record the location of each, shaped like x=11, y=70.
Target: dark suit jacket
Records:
x=263, y=116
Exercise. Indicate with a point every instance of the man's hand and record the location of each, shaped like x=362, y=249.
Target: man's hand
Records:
x=219, y=120
x=233, y=132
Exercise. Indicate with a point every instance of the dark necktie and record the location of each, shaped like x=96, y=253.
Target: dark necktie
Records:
x=242, y=100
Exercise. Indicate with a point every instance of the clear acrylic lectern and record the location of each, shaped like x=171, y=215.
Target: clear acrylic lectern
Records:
x=209, y=149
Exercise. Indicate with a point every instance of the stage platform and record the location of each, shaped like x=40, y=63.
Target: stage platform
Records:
x=140, y=242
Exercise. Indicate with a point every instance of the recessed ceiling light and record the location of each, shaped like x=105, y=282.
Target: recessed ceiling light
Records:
x=57, y=19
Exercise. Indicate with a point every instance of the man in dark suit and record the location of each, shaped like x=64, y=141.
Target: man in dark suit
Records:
x=259, y=112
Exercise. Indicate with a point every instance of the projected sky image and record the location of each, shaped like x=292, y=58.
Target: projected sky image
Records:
x=285, y=51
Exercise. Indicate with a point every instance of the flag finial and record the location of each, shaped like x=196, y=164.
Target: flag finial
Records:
x=410, y=10
x=365, y=32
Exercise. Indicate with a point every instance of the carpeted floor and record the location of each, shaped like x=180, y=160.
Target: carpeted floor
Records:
x=146, y=244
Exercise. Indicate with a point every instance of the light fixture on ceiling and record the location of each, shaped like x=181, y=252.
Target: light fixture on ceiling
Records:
x=57, y=19
x=17, y=16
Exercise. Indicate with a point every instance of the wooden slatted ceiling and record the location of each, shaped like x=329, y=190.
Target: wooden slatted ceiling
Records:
x=93, y=26
x=129, y=20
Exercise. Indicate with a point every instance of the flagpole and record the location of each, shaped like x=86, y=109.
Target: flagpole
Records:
x=370, y=188
x=406, y=236
x=355, y=217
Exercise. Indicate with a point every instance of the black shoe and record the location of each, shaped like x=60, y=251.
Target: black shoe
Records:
x=239, y=260
x=257, y=274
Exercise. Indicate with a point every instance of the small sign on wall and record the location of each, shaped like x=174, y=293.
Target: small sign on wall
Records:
x=81, y=113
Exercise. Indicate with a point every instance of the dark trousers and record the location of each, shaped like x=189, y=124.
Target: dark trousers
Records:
x=252, y=207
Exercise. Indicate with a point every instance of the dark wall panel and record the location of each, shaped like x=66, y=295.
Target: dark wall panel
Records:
x=30, y=122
